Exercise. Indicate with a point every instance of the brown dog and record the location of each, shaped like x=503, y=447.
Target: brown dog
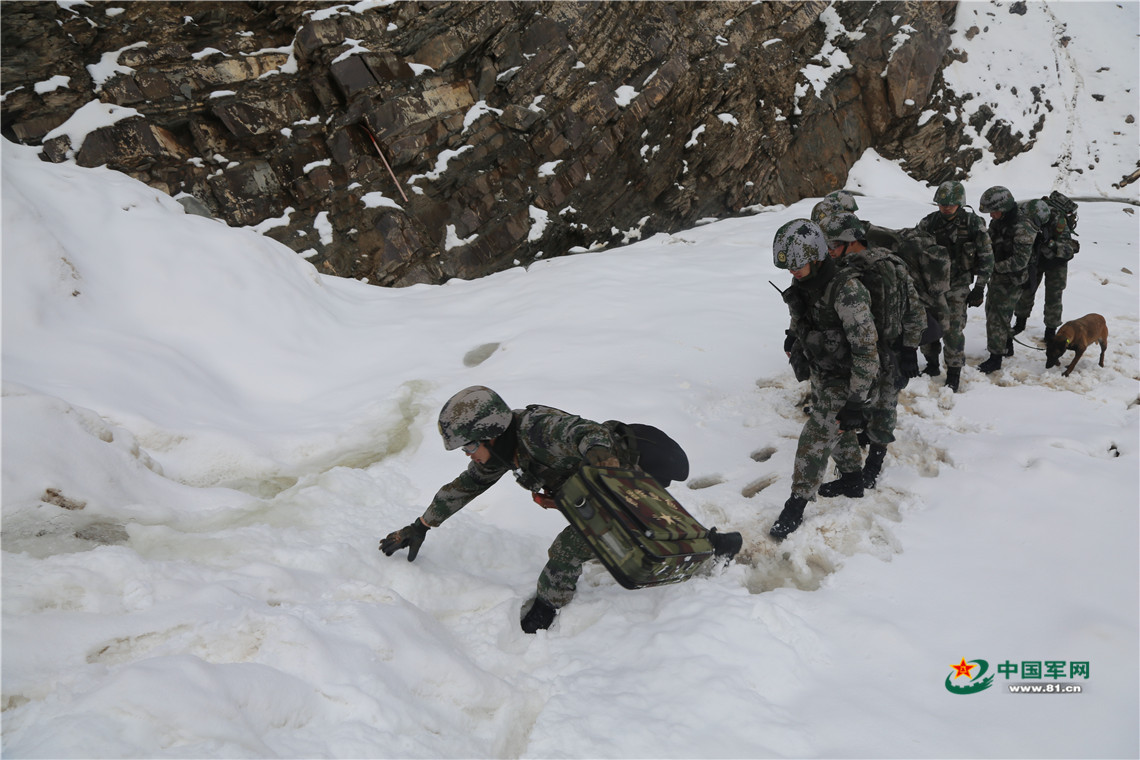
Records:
x=1078, y=335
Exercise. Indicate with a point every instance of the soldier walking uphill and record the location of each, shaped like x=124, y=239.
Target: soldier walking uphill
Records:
x=964, y=236
x=543, y=447
x=1012, y=235
x=1054, y=247
x=834, y=327
x=900, y=319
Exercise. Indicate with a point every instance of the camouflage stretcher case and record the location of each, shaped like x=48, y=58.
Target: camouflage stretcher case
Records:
x=642, y=535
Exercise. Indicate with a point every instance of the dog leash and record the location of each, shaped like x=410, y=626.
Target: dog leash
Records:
x=1035, y=348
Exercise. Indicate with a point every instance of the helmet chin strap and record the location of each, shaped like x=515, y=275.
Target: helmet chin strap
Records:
x=503, y=447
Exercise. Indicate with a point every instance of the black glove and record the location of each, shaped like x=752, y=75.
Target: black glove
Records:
x=411, y=537
x=908, y=362
x=977, y=295
x=851, y=416
x=796, y=357
x=799, y=361
x=539, y=616
x=789, y=341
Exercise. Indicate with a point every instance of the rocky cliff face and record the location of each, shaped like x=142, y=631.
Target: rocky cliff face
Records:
x=410, y=142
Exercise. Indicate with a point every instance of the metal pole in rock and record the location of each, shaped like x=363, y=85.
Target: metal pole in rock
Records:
x=380, y=153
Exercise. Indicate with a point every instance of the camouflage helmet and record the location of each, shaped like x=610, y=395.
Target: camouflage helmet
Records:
x=1037, y=211
x=997, y=198
x=950, y=194
x=845, y=200
x=824, y=208
x=846, y=228
x=474, y=414
x=797, y=244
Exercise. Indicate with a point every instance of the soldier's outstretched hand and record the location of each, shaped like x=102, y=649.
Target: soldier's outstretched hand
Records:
x=411, y=537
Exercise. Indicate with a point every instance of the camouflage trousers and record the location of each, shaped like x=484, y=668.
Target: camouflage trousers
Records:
x=1056, y=278
x=882, y=417
x=882, y=413
x=820, y=440
x=953, y=337
x=559, y=578
x=1001, y=298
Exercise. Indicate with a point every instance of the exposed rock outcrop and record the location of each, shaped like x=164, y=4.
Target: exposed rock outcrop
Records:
x=412, y=142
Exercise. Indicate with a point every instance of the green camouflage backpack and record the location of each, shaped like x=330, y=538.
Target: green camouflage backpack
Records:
x=1065, y=206
x=641, y=534
x=927, y=262
x=885, y=276
x=1063, y=223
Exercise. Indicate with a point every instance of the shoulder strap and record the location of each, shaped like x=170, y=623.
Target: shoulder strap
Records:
x=851, y=270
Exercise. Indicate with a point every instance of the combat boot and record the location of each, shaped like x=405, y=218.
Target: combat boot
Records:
x=1050, y=333
x=539, y=616
x=932, y=367
x=1009, y=346
x=789, y=519
x=953, y=377
x=874, y=464
x=849, y=484
x=990, y=365
x=1019, y=326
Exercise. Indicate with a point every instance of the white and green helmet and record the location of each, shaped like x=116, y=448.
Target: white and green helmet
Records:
x=797, y=244
x=845, y=200
x=997, y=198
x=950, y=193
x=1038, y=210
x=843, y=228
x=474, y=414
x=825, y=208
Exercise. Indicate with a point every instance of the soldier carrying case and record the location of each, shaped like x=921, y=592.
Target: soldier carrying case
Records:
x=642, y=535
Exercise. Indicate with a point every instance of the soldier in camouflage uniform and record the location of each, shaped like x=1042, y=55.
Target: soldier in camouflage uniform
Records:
x=1053, y=249
x=964, y=235
x=543, y=447
x=846, y=238
x=838, y=342
x=1012, y=235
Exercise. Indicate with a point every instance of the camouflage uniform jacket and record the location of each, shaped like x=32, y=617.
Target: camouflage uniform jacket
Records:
x=551, y=446
x=1013, y=237
x=964, y=235
x=831, y=318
